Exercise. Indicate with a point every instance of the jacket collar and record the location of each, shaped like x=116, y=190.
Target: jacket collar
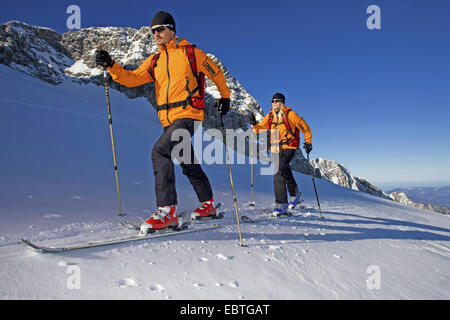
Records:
x=174, y=43
x=278, y=115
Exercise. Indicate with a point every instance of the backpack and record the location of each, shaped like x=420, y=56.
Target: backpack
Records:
x=197, y=101
x=294, y=140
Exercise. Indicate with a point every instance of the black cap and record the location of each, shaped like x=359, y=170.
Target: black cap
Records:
x=278, y=96
x=162, y=17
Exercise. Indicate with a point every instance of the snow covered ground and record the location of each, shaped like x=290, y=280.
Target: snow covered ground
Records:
x=57, y=187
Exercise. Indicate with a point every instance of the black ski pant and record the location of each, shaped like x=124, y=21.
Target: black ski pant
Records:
x=284, y=177
x=163, y=167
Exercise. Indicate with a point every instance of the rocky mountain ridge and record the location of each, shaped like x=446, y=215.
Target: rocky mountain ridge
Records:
x=54, y=58
x=403, y=198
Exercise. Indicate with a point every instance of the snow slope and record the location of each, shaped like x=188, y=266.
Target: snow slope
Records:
x=57, y=187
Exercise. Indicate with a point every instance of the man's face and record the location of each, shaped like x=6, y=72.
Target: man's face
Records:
x=277, y=104
x=162, y=34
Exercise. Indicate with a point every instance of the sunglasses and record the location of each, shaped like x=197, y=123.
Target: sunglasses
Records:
x=161, y=28
x=277, y=100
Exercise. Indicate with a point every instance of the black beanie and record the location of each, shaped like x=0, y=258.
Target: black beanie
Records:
x=162, y=17
x=279, y=96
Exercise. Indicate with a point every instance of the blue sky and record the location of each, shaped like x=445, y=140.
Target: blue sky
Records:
x=377, y=101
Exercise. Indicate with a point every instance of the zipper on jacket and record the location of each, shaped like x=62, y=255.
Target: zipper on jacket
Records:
x=168, y=85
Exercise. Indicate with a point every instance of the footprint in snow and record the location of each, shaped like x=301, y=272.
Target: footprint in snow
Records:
x=127, y=283
x=223, y=256
x=157, y=288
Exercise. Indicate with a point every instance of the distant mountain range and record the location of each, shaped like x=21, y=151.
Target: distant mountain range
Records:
x=45, y=54
x=430, y=198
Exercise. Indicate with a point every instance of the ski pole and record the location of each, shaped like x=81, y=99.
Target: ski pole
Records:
x=314, y=184
x=252, y=203
x=231, y=182
x=105, y=75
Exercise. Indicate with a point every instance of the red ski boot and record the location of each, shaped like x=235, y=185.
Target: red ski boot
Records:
x=206, y=209
x=163, y=217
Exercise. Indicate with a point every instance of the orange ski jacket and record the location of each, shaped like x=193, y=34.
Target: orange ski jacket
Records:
x=173, y=73
x=295, y=121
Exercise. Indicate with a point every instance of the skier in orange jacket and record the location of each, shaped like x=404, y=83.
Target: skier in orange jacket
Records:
x=288, y=125
x=179, y=106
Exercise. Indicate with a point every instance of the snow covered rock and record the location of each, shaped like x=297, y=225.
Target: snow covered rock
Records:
x=334, y=172
x=37, y=51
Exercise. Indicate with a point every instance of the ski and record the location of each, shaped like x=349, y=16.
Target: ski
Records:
x=157, y=234
x=268, y=211
x=247, y=219
x=295, y=212
x=260, y=218
x=218, y=216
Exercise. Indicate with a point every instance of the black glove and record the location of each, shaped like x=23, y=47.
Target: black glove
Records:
x=223, y=106
x=252, y=119
x=102, y=58
x=307, y=147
